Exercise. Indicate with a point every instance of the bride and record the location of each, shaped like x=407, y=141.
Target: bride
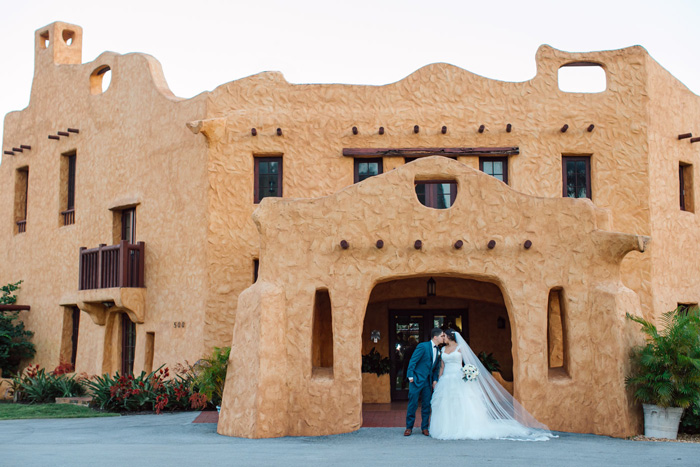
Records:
x=478, y=408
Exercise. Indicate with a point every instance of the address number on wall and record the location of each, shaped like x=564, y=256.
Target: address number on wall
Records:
x=179, y=324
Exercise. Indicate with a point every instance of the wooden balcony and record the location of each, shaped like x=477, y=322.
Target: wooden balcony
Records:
x=113, y=266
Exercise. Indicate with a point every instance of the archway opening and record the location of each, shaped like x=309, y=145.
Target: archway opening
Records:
x=401, y=313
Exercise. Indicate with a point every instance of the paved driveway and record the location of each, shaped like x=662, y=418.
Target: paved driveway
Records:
x=173, y=440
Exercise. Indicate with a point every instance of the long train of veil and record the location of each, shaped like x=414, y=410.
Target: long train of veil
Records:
x=500, y=404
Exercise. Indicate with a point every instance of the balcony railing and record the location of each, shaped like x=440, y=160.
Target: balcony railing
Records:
x=22, y=226
x=112, y=266
x=68, y=217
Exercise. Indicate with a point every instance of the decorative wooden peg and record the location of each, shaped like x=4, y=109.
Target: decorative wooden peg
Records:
x=590, y=127
x=416, y=128
x=62, y=133
x=527, y=244
x=459, y=244
x=380, y=244
x=17, y=150
x=481, y=128
x=381, y=130
x=24, y=146
x=9, y=153
x=694, y=140
x=444, y=130
x=54, y=137
x=254, y=132
x=73, y=130
x=344, y=244
x=492, y=244
x=509, y=128
x=564, y=128
x=685, y=135
x=354, y=130
x=418, y=245
x=279, y=131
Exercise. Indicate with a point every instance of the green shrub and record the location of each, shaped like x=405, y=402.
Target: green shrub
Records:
x=210, y=374
x=37, y=386
x=489, y=362
x=154, y=391
x=666, y=371
x=690, y=423
x=373, y=362
x=14, y=338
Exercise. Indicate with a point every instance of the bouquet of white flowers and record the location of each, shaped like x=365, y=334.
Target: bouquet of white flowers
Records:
x=469, y=373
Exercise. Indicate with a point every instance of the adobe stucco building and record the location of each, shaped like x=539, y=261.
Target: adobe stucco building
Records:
x=480, y=232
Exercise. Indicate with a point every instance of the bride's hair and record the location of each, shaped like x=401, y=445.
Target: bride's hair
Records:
x=450, y=333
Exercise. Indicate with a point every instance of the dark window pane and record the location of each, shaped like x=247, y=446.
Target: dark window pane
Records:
x=437, y=195
x=269, y=178
x=420, y=191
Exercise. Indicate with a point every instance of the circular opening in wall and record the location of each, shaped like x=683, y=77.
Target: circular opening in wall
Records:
x=100, y=79
x=68, y=37
x=436, y=194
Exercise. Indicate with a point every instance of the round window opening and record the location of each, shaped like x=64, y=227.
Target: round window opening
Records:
x=100, y=79
x=436, y=194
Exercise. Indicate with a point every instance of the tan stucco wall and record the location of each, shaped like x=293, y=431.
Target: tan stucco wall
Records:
x=570, y=251
x=673, y=110
x=133, y=147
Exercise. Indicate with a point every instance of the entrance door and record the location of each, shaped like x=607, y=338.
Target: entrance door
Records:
x=408, y=328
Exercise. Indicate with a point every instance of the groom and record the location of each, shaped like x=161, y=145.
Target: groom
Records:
x=423, y=370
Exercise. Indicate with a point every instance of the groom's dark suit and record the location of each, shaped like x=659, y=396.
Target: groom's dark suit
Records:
x=424, y=371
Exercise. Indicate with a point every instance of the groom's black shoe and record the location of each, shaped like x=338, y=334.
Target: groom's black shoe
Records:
x=407, y=432
x=426, y=432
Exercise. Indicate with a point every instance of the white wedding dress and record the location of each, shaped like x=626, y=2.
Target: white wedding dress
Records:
x=478, y=409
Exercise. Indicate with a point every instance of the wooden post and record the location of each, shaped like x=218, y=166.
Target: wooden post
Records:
x=122, y=271
x=142, y=262
x=81, y=269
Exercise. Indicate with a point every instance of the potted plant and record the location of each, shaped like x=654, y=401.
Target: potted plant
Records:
x=210, y=375
x=665, y=373
x=376, y=385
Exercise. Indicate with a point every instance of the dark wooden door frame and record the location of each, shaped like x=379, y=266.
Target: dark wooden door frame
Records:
x=428, y=316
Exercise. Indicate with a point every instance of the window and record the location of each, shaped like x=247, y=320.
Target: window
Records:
x=497, y=167
x=685, y=176
x=437, y=194
x=576, y=171
x=268, y=177
x=67, y=193
x=21, y=193
x=128, y=344
x=365, y=168
x=128, y=220
x=256, y=268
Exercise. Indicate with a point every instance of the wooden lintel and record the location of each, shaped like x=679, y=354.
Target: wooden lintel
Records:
x=417, y=152
x=14, y=308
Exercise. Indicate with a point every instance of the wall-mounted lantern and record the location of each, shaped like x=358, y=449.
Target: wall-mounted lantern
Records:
x=375, y=336
x=432, y=287
x=501, y=322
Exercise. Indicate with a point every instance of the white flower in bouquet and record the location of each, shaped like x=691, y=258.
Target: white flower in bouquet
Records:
x=469, y=373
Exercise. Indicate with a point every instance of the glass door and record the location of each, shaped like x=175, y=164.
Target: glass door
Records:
x=408, y=328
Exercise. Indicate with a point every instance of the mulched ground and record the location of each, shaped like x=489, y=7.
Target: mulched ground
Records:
x=682, y=438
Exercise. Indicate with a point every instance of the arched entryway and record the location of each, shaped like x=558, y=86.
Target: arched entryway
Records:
x=400, y=313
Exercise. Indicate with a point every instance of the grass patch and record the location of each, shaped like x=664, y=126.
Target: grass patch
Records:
x=10, y=411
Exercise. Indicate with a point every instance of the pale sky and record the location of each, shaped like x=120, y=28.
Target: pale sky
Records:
x=203, y=43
